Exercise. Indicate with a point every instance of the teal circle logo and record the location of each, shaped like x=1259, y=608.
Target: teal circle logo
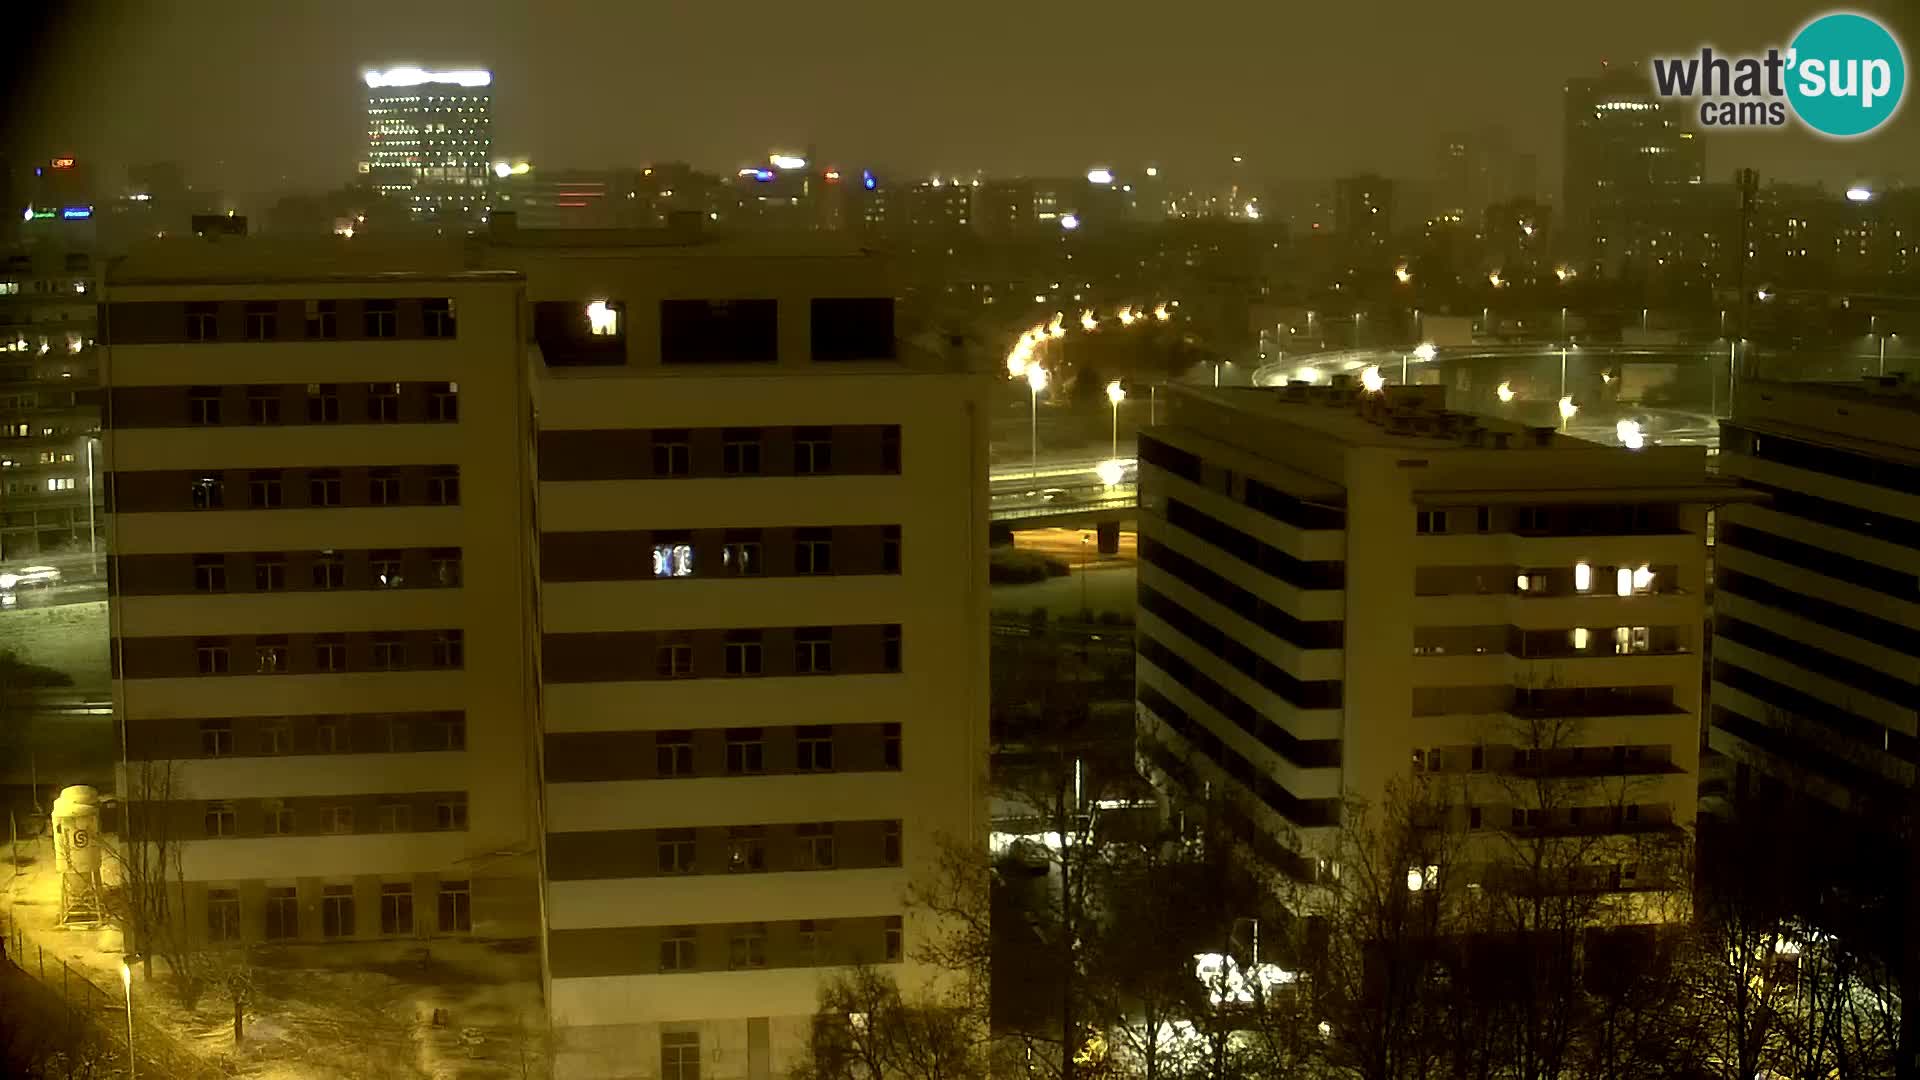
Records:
x=1846, y=75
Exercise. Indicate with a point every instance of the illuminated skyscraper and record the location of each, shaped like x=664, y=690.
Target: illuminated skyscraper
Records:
x=430, y=140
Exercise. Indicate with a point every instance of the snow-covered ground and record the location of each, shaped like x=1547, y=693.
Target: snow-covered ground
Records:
x=71, y=638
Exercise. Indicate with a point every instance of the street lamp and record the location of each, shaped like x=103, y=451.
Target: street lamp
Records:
x=1111, y=472
x=1115, y=395
x=126, y=984
x=1036, y=382
x=1373, y=380
x=1425, y=353
x=93, y=546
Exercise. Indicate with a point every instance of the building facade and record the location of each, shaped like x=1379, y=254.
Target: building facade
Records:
x=1816, y=649
x=1344, y=592
x=430, y=141
x=1626, y=148
x=49, y=410
x=321, y=594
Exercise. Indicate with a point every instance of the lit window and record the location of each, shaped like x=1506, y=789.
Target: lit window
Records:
x=1580, y=638
x=1643, y=579
x=672, y=560
x=1582, y=577
x=1623, y=582
x=603, y=319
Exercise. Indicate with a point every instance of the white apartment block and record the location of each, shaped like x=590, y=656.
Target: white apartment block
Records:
x=1816, y=648
x=762, y=602
x=320, y=591
x=1341, y=590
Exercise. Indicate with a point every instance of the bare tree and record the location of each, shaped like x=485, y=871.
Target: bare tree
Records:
x=866, y=1029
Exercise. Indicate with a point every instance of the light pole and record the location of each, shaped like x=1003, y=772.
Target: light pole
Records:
x=1036, y=382
x=1115, y=395
x=93, y=546
x=1084, y=612
x=1424, y=351
x=126, y=983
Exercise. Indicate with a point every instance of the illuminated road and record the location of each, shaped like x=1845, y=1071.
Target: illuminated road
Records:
x=1059, y=489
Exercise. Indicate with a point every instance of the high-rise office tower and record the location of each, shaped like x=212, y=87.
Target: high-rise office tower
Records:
x=430, y=141
x=1626, y=149
x=1816, y=644
x=49, y=412
x=1363, y=211
x=1343, y=591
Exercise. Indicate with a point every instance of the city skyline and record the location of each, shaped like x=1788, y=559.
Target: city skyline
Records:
x=266, y=120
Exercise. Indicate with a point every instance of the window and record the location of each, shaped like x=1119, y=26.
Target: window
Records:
x=890, y=449
x=740, y=456
x=447, y=733
x=269, y=573
x=323, y=403
x=890, y=549
x=1582, y=577
x=672, y=453
x=814, y=748
x=438, y=318
x=895, y=939
x=327, y=738
x=890, y=647
x=394, y=817
x=1532, y=519
x=747, y=946
x=322, y=319
x=203, y=405
x=270, y=656
x=746, y=849
x=213, y=657
x=672, y=558
x=675, y=847
x=812, y=451
x=746, y=750
x=445, y=567
x=1530, y=583
x=679, y=1050
x=1473, y=817
x=379, y=321
x=223, y=915
x=675, y=661
x=263, y=404
x=451, y=814
x=443, y=401
x=816, y=844
x=202, y=323
x=283, y=912
x=262, y=321
x=329, y=571
x=852, y=328
x=396, y=908
x=813, y=650
x=449, y=649
x=743, y=653
x=389, y=652
x=276, y=737
x=336, y=819
x=719, y=331
x=456, y=907
x=740, y=555
x=336, y=911
x=890, y=745
x=816, y=941
x=210, y=573
x=383, y=402
x=206, y=493
x=323, y=487
x=383, y=487
x=1483, y=519
x=383, y=569
x=61, y=483
x=813, y=551
x=673, y=753
x=443, y=485
x=1430, y=521
x=263, y=489
x=606, y=318
x=677, y=954
x=330, y=652
x=216, y=738
x=219, y=819
x=1632, y=639
x=890, y=843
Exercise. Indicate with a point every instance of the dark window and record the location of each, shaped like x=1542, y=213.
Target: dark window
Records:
x=210, y=573
x=675, y=850
x=890, y=647
x=216, y=738
x=746, y=849
x=675, y=661
x=443, y=485
x=389, y=652
x=679, y=1050
x=1483, y=519
x=396, y=908
x=323, y=487
x=336, y=911
x=207, y=493
x=895, y=942
x=853, y=329
x=890, y=844
x=813, y=650
x=219, y=819
x=263, y=322
x=812, y=451
x=383, y=487
x=443, y=402
x=746, y=751
x=213, y=656
x=223, y=914
x=323, y=321
x=677, y=954
x=890, y=745
x=1430, y=521
x=672, y=453
x=269, y=573
x=203, y=405
x=329, y=571
x=283, y=912
x=330, y=652
x=439, y=318
x=890, y=549
x=719, y=331
x=813, y=551
x=741, y=452
x=383, y=402
x=448, y=733
x=449, y=649
x=446, y=566
x=673, y=753
x=816, y=844
x=203, y=322
x=451, y=814
x=456, y=907
x=323, y=403
x=380, y=320
x=270, y=656
x=740, y=555
x=890, y=449
x=263, y=488
x=743, y=653
x=813, y=747
x=263, y=404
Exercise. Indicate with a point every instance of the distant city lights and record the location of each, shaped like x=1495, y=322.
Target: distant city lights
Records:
x=1629, y=434
x=1069, y=222
x=1100, y=176
x=1402, y=274
x=786, y=161
x=867, y=180
x=1504, y=392
x=1568, y=408
x=413, y=76
x=1425, y=352
x=1372, y=379
x=76, y=213
x=1859, y=194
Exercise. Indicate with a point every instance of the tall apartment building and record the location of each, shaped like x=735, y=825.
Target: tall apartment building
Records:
x=1627, y=151
x=1816, y=648
x=762, y=611
x=321, y=590
x=1341, y=590
x=430, y=141
x=49, y=410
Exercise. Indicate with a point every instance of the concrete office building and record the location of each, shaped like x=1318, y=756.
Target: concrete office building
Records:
x=430, y=141
x=1816, y=650
x=762, y=604
x=321, y=592
x=49, y=411
x=1627, y=151
x=1340, y=591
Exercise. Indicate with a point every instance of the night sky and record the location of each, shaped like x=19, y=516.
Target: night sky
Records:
x=258, y=96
